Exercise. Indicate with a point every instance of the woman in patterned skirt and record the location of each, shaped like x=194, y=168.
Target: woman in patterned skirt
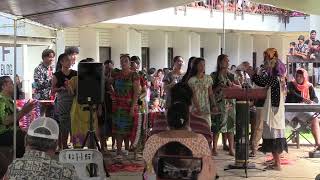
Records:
x=124, y=107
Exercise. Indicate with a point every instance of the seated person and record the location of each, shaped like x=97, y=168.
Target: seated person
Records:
x=38, y=162
x=301, y=91
x=6, y=116
x=174, y=163
x=178, y=121
x=181, y=92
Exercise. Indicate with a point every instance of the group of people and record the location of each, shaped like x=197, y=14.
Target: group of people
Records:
x=306, y=48
x=194, y=108
x=208, y=104
x=246, y=6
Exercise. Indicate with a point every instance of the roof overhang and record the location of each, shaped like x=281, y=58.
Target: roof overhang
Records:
x=72, y=13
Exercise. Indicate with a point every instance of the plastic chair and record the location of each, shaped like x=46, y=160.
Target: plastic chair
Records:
x=80, y=159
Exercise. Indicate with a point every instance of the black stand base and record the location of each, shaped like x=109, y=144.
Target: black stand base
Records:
x=240, y=166
x=93, y=143
x=244, y=166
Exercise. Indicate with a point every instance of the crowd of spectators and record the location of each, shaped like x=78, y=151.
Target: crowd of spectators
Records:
x=246, y=6
x=306, y=48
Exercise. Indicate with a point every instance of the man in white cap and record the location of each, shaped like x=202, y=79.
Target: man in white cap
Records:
x=38, y=162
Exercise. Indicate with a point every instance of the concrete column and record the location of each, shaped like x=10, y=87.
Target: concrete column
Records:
x=246, y=48
x=27, y=76
x=278, y=43
x=135, y=43
x=233, y=48
x=195, y=44
x=158, y=44
x=315, y=24
x=125, y=41
x=119, y=44
x=260, y=44
x=89, y=43
x=60, y=43
x=182, y=45
x=211, y=44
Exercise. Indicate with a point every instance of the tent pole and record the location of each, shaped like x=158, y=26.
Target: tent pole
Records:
x=223, y=29
x=15, y=89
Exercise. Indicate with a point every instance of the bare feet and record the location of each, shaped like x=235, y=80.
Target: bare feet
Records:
x=214, y=152
x=225, y=148
x=231, y=152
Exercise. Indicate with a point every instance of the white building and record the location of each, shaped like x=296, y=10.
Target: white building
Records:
x=190, y=32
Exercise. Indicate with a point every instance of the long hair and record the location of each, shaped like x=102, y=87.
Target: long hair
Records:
x=186, y=76
x=219, y=62
x=60, y=59
x=194, y=69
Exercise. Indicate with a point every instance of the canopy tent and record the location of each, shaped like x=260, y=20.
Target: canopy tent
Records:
x=71, y=13
x=306, y=6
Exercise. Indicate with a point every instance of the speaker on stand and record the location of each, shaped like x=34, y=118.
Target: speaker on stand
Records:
x=91, y=92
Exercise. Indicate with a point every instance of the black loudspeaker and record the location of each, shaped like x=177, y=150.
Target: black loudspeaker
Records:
x=90, y=83
x=254, y=60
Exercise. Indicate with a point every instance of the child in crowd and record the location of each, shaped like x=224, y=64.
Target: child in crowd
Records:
x=156, y=106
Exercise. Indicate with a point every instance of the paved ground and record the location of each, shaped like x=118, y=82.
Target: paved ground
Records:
x=301, y=167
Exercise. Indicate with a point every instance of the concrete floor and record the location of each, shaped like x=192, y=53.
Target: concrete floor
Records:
x=301, y=168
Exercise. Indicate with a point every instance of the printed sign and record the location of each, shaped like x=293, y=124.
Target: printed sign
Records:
x=7, y=59
x=81, y=156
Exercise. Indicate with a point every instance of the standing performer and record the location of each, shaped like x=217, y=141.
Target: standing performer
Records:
x=225, y=123
x=273, y=136
x=64, y=98
x=124, y=104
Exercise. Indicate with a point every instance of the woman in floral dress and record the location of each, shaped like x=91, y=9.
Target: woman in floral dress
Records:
x=224, y=123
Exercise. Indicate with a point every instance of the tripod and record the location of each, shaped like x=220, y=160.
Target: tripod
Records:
x=242, y=148
x=93, y=141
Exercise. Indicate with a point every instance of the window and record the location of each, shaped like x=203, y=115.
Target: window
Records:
x=202, y=52
x=170, y=57
x=145, y=57
x=104, y=53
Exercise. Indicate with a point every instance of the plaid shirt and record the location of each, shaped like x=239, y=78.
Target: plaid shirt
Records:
x=302, y=48
x=42, y=82
x=36, y=165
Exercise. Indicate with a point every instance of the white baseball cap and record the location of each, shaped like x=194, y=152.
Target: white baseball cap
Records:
x=47, y=123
